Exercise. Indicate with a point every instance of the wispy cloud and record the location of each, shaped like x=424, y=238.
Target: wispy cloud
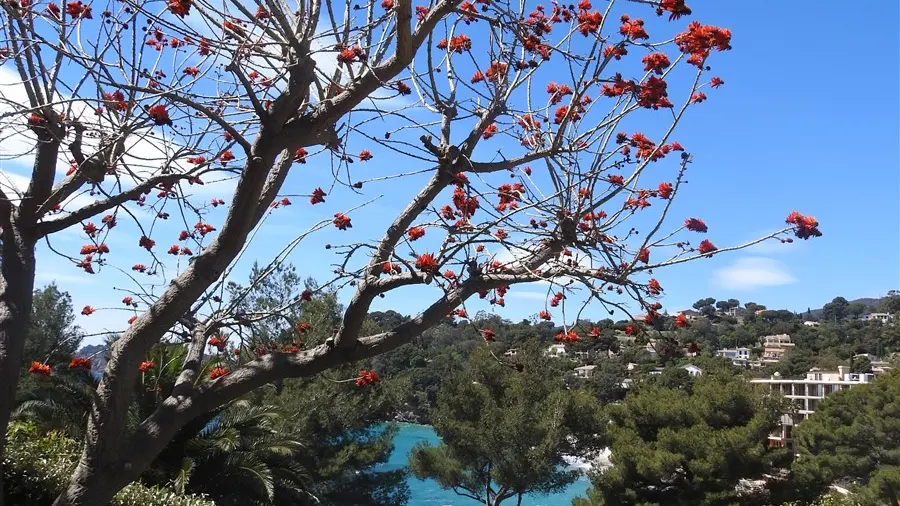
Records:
x=750, y=273
x=528, y=295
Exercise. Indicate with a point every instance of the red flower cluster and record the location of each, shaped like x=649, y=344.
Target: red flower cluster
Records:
x=218, y=342
x=529, y=122
x=159, y=115
x=617, y=51
x=545, y=315
x=147, y=365
x=566, y=337
x=616, y=179
x=654, y=287
x=477, y=77
x=465, y=205
x=644, y=256
x=342, y=221
x=389, y=268
x=633, y=29
x=619, y=87
x=655, y=62
x=366, y=378
x=715, y=82
x=457, y=44
x=488, y=335
x=681, y=321
x=695, y=225
x=664, y=190
x=80, y=363
x=557, y=298
x=39, y=368
x=426, y=263
x=588, y=21
x=87, y=311
x=706, y=247
x=191, y=71
x=78, y=10
x=365, y=155
x=226, y=156
x=496, y=71
x=179, y=7
x=698, y=40
x=317, y=197
x=300, y=155
x=489, y=131
x=698, y=97
x=218, y=372
x=557, y=92
x=416, y=233
x=509, y=194
x=806, y=226
x=403, y=88
x=653, y=94
x=303, y=327
x=676, y=8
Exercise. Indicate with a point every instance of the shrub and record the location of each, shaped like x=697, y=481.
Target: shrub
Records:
x=37, y=466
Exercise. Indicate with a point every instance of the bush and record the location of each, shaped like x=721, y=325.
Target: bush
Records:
x=37, y=466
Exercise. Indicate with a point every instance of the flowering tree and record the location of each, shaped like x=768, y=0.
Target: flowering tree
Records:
x=519, y=122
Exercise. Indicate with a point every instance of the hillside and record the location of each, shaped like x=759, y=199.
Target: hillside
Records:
x=869, y=302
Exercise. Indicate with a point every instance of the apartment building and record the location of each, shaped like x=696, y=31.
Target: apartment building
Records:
x=738, y=356
x=806, y=395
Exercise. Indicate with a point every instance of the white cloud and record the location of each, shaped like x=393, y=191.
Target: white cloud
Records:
x=750, y=273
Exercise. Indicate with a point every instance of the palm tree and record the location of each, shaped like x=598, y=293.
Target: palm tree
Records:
x=60, y=402
x=240, y=458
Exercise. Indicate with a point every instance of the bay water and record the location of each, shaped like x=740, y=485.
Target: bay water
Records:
x=428, y=493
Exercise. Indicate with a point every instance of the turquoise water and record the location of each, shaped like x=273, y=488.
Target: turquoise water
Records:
x=428, y=493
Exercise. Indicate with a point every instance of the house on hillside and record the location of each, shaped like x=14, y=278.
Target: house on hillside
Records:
x=692, y=370
x=811, y=323
x=557, y=351
x=512, y=352
x=689, y=314
x=735, y=312
x=738, y=356
x=585, y=371
x=775, y=346
x=882, y=317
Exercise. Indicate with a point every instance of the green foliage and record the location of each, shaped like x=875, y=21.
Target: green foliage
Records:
x=52, y=336
x=37, y=465
x=505, y=430
x=827, y=500
x=688, y=445
x=854, y=438
x=891, y=303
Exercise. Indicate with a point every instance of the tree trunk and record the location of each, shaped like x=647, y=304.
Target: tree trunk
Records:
x=16, y=294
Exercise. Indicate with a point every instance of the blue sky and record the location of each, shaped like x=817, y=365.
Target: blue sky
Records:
x=807, y=120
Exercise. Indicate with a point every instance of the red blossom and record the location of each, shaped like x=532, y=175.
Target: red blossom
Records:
x=159, y=115
x=654, y=287
x=147, y=365
x=218, y=372
x=180, y=8
x=342, y=221
x=706, y=247
x=303, y=327
x=226, y=156
x=566, y=337
x=80, y=363
x=617, y=51
x=387, y=4
x=139, y=267
x=78, y=10
x=616, y=179
x=403, y=88
x=318, y=196
x=191, y=71
x=127, y=300
x=365, y=155
x=488, y=335
x=300, y=156
x=366, y=378
x=426, y=263
x=174, y=249
x=664, y=190
x=715, y=82
x=676, y=8
x=698, y=97
x=655, y=62
x=545, y=315
x=644, y=256
x=39, y=368
x=489, y=131
x=805, y=226
x=477, y=77
x=633, y=29
x=416, y=233
x=87, y=311
x=681, y=321
x=695, y=225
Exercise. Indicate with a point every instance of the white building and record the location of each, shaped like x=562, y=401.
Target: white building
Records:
x=775, y=346
x=689, y=314
x=692, y=370
x=512, y=352
x=557, y=350
x=882, y=317
x=585, y=371
x=811, y=323
x=738, y=356
x=806, y=395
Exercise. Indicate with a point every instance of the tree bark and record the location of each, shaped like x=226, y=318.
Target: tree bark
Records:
x=16, y=294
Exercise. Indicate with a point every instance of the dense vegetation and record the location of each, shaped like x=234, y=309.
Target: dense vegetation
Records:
x=503, y=418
